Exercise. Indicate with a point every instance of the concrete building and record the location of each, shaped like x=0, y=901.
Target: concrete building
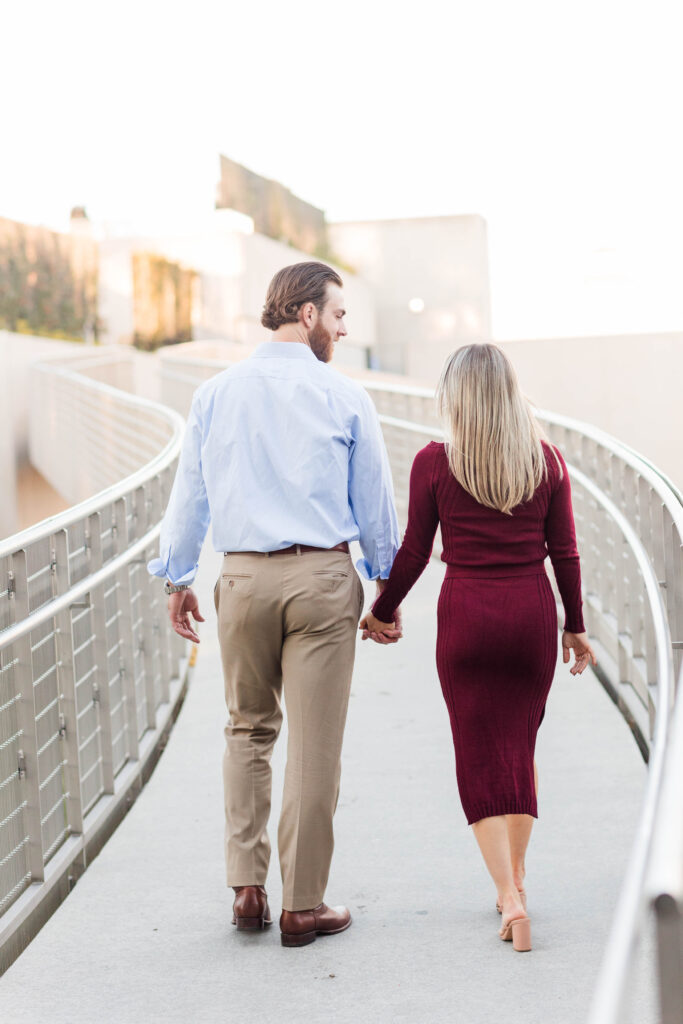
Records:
x=275, y=211
x=430, y=281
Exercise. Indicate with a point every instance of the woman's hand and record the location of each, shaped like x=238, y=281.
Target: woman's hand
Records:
x=381, y=632
x=583, y=652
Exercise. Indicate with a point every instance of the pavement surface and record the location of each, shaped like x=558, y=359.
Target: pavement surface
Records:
x=145, y=936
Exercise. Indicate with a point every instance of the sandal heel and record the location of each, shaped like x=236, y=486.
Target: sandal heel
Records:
x=521, y=935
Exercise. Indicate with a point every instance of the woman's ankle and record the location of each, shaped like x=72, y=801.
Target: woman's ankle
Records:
x=518, y=875
x=511, y=904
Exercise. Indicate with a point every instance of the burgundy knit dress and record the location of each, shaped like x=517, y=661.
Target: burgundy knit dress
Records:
x=496, y=645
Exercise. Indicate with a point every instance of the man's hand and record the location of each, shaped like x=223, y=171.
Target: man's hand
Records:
x=382, y=632
x=179, y=607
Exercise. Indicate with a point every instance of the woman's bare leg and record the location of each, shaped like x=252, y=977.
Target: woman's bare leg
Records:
x=492, y=836
x=519, y=828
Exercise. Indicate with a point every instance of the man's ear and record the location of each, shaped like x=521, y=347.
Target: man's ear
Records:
x=308, y=314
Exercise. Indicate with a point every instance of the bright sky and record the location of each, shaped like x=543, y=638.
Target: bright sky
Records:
x=559, y=123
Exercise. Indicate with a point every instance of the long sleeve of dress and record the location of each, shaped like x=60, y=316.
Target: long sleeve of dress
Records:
x=418, y=541
x=560, y=538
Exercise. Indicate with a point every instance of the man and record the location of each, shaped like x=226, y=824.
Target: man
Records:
x=286, y=457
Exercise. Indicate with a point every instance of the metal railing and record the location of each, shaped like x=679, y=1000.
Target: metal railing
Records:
x=91, y=673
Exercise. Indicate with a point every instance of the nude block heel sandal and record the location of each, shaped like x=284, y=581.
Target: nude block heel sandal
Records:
x=519, y=932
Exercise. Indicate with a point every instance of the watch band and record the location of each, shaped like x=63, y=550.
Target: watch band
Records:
x=171, y=588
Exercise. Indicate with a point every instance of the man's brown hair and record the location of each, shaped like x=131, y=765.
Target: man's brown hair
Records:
x=294, y=286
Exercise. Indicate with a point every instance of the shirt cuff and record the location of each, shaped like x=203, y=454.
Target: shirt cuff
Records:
x=371, y=572
x=159, y=567
x=365, y=569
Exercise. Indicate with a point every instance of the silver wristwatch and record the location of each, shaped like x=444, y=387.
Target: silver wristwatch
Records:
x=170, y=588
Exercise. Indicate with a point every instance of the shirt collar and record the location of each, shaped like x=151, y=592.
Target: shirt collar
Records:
x=282, y=350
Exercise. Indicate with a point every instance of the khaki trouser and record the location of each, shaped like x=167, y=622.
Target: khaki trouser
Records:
x=286, y=623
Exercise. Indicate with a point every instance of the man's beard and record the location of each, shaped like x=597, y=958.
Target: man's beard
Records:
x=321, y=343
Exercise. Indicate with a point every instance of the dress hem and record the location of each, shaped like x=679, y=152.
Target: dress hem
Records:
x=504, y=806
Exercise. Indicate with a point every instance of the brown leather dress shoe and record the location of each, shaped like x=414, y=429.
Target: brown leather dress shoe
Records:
x=250, y=911
x=299, y=927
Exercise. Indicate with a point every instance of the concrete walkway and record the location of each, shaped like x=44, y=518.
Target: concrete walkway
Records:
x=146, y=935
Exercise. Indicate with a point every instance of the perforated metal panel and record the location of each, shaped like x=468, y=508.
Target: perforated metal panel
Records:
x=15, y=873
x=78, y=689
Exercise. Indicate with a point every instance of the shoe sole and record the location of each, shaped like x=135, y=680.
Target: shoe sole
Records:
x=305, y=938
x=250, y=924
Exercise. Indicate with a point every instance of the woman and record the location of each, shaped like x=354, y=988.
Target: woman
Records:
x=502, y=497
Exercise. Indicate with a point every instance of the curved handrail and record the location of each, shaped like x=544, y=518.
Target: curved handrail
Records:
x=109, y=494
x=635, y=458
x=668, y=491
x=65, y=601
x=610, y=991
x=91, y=673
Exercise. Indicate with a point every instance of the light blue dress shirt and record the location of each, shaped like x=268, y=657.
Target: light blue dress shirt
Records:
x=278, y=450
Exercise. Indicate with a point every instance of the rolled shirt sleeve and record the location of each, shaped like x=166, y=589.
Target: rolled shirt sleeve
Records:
x=187, y=517
x=371, y=494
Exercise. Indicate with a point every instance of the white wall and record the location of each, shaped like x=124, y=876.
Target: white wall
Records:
x=8, y=464
x=629, y=385
x=115, y=291
x=441, y=260
x=17, y=353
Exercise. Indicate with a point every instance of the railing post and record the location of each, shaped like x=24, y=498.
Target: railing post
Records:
x=158, y=606
x=677, y=599
x=622, y=603
x=140, y=517
x=145, y=649
x=99, y=626
x=674, y=584
x=126, y=657
x=670, y=946
x=26, y=712
x=164, y=654
x=66, y=683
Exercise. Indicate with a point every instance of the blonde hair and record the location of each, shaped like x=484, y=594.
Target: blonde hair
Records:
x=493, y=440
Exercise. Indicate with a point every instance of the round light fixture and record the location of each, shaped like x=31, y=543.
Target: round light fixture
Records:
x=416, y=305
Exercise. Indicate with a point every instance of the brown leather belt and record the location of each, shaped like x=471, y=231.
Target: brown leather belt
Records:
x=292, y=549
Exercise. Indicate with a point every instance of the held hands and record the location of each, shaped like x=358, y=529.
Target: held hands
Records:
x=583, y=652
x=179, y=607
x=381, y=632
